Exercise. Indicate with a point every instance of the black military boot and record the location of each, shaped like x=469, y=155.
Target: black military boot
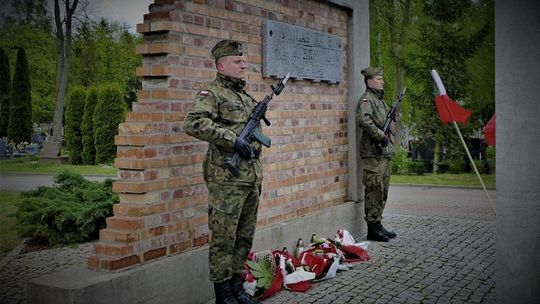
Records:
x=375, y=233
x=224, y=294
x=240, y=295
x=389, y=234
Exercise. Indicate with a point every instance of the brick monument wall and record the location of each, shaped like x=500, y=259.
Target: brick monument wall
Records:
x=163, y=209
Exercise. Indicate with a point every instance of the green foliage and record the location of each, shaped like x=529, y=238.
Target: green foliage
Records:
x=445, y=40
x=29, y=12
x=490, y=159
x=9, y=239
x=481, y=166
x=401, y=163
x=490, y=152
x=72, y=211
x=457, y=162
x=447, y=10
x=109, y=113
x=104, y=52
x=87, y=127
x=20, y=114
x=481, y=66
x=5, y=92
x=262, y=271
x=39, y=45
x=73, y=119
x=418, y=166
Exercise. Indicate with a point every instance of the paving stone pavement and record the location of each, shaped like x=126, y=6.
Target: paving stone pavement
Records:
x=444, y=253
x=17, y=269
x=433, y=260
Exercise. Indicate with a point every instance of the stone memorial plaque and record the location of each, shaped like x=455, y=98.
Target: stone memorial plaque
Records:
x=305, y=53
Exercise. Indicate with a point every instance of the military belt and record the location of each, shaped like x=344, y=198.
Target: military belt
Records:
x=256, y=154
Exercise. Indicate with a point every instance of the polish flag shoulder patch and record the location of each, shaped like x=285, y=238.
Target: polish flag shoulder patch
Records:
x=203, y=93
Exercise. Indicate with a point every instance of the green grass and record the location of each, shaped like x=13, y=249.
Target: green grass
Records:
x=9, y=239
x=464, y=180
x=34, y=165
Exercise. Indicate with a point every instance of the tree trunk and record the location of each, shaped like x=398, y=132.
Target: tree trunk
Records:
x=397, y=41
x=60, y=94
x=63, y=51
x=436, y=153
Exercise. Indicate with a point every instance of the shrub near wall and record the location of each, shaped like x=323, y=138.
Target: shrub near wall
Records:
x=109, y=113
x=74, y=107
x=87, y=127
x=71, y=211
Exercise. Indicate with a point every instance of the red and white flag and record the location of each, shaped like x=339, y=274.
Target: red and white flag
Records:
x=489, y=131
x=450, y=111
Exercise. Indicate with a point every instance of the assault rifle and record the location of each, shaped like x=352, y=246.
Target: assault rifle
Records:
x=391, y=116
x=251, y=130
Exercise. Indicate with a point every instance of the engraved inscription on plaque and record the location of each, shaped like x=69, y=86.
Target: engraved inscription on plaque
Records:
x=305, y=53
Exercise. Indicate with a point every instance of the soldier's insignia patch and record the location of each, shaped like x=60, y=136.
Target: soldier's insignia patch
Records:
x=203, y=93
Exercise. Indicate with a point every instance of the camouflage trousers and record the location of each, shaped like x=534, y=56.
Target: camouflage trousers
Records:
x=232, y=218
x=377, y=171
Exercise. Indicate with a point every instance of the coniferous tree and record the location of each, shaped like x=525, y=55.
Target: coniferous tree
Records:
x=109, y=113
x=87, y=127
x=74, y=110
x=5, y=92
x=20, y=114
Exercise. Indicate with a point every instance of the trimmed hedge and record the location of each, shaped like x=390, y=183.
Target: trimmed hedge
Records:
x=87, y=127
x=109, y=113
x=5, y=92
x=20, y=114
x=74, y=108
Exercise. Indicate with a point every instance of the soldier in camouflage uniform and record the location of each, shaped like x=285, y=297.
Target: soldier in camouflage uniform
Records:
x=218, y=116
x=370, y=116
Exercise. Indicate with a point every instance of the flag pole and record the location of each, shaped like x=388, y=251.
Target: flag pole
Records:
x=442, y=91
x=474, y=166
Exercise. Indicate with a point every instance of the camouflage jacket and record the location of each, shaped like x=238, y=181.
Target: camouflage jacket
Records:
x=217, y=116
x=370, y=116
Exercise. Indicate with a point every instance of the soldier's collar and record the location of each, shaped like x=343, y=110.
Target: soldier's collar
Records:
x=233, y=83
x=378, y=93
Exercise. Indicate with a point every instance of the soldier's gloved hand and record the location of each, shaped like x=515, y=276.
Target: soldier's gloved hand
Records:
x=385, y=141
x=243, y=148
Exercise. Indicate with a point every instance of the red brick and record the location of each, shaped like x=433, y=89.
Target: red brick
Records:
x=116, y=250
x=200, y=241
x=111, y=264
x=125, y=223
x=124, y=237
x=154, y=254
x=180, y=247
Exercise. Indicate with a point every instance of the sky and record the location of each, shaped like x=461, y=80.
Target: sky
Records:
x=128, y=11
